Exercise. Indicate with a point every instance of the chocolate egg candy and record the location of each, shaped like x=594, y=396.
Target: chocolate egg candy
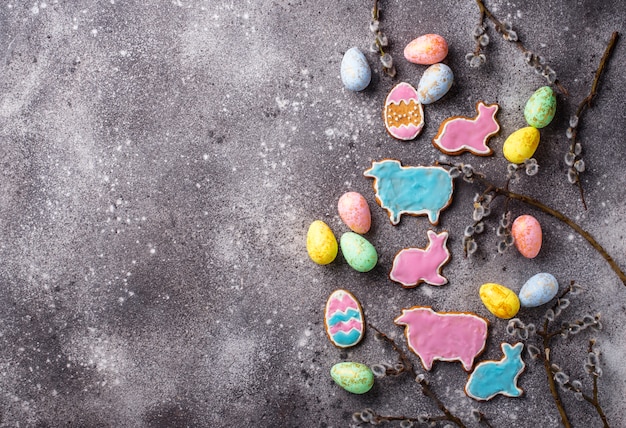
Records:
x=540, y=107
x=499, y=300
x=521, y=144
x=358, y=252
x=538, y=290
x=355, y=212
x=356, y=378
x=321, y=243
x=435, y=83
x=355, y=71
x=427, y=49
x=527, y=234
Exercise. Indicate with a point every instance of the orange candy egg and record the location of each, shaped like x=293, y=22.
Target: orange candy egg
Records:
x=426, y=50
x=526, y=231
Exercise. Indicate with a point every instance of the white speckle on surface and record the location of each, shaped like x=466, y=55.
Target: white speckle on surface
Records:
x=94, y=32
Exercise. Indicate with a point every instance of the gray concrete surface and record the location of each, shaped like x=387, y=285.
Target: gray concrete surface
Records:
x=161, y=163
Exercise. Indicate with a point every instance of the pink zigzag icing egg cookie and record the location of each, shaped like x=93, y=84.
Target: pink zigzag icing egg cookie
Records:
x=343, y=319
x=459, y=134
x=403, y=113
x=444, y=336
x=412, y=266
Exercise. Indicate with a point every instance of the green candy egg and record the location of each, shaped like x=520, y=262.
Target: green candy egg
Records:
x=540, y=107
x=358, y=252
x=356, y=378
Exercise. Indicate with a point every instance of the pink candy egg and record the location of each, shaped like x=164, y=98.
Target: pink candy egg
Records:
x=427, y=49
x=355, y=212
x=526, y=231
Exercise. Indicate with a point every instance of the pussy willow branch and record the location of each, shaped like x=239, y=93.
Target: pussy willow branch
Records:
x=550, y=372
x=586, y=103
x=546, y=337
x=422, y=382
x=563, y=218
x=500, y=28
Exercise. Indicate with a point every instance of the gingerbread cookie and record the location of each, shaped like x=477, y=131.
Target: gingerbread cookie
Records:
x=343, y=319
x=413, y=190
x=412, y=266
x=458, y=134
x=403, y=113
x=444, y=336
x=497, y=377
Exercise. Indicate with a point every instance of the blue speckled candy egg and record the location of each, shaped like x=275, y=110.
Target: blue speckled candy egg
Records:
x=538, y=290
x=355, y=71
x=435, y=83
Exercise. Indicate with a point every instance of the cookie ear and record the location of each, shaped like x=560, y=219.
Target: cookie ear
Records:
x=400, y=320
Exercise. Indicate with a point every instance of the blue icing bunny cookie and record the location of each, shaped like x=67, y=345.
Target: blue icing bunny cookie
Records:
x=491, y=378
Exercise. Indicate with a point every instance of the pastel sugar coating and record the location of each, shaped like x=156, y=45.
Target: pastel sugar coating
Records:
x=528, y=236
x=444, y=336
x=414, y=190
x=321, y=243
x=403, y=113
x=540, y=107
x=538, y=290
x=435, y=83
x=355, y=212
x=521, y=144
x=491, y=378
x=343, y=319
x=412, y=266
x=427, y=49
x=458, y=134
x=499, y=300
x=355, y=70
x=358, y=252
x=356, y=378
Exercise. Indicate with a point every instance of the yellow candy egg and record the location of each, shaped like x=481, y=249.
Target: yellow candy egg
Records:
x=521, y=145
x=500, y=301
x=321, y=243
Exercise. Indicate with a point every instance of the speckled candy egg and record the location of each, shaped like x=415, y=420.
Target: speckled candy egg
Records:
x=356, y=378
x=521, y=144
x=526, y=231
x=355, y=212
x=499, y=300
x=538, y=290
x=435, y=83
x=427, y=49
x=540, y=107
x=355, y=71
x=358, y=252
x=321, y=243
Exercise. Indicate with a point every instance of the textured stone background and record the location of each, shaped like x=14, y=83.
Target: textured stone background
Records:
x=162, y=160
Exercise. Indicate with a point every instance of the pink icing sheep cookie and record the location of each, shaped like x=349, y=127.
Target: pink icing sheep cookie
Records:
x=412, y=266
x=444, y=336
x=458, y=134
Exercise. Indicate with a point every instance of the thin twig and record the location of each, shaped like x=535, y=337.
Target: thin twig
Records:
x=501, y=28
x=563, y=218
x=546, y=337
x=426, y=390
x=587, y=102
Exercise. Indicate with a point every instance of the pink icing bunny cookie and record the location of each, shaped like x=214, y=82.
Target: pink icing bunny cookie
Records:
x=458, y=134
x=444, y=336
x=412, y=266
